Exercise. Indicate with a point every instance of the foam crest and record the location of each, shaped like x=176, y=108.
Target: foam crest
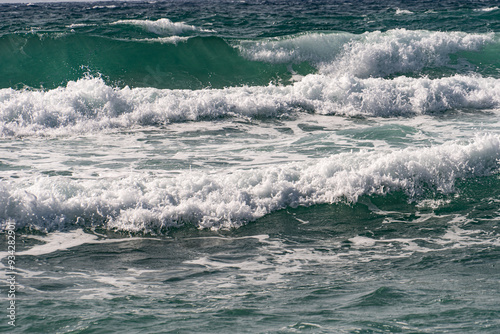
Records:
x=80, y=25
x=161, y=26
x=102, y=7
x=312, y=47
x=403, y=12
x=371, y=54
x=379, y=54
x=224, y=200
x=82, y=105
x=165, y=40
x=488, y=9
x=91, y=105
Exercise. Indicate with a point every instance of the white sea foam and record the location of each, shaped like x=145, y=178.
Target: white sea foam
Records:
x=162, y=26
x=91, y=105
x=371, y=54
x=489, y=9
x=102, y=7
x=165, y=40
x=65, y=240
x=312, y=47
x=60, y=241
x=80, y=25
x=401, y=51
x=224, y=199
x=403, y=12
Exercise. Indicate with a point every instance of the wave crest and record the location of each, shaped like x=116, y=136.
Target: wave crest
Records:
x=221, y=200
x=372, y=54
x=162, y=26
x=91, y=105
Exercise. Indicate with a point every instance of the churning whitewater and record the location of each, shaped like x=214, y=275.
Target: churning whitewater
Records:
x=354, y=75
x=227, y=200
x=375, y=74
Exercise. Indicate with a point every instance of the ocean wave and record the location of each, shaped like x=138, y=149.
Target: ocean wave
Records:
x=195, y=62
x=91, y=105
x=102, y=7
x=164, y=40
x=372, y=54
x=80, y=25
x=403, y=12
x=162, y=26
x=187, y=61
x=488, y=9
x=316, y=48
x=226, y=200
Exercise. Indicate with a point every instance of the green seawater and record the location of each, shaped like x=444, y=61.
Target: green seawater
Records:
x=322, y=166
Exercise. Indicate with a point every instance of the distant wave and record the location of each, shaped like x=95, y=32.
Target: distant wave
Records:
x=80, y=25
x=162, y=26
x=221, y=200
x=489, y=9
x=164, y=40
x=102, y=7
x=91, y=105
x=403, y=12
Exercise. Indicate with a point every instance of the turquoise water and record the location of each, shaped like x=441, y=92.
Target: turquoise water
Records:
x=251, y=166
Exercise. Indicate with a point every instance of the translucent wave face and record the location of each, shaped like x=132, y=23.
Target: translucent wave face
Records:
x=223, y=200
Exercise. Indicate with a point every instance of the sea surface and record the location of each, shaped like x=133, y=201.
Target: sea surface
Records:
x=216, y=166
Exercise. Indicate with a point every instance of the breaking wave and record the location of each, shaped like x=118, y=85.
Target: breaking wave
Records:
x=372, y=54
x=162, y=26
x=224, y=200
x=91, y=105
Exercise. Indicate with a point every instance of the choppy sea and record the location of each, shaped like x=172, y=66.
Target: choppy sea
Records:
x=216, y=166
